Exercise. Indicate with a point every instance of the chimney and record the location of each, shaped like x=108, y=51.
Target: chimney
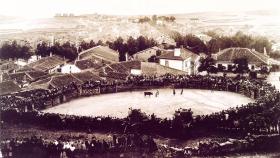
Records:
x=126, y=56
x=177, y=52
x=264, y=51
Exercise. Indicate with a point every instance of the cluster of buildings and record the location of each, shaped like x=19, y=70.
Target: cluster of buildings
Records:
x=102, y=63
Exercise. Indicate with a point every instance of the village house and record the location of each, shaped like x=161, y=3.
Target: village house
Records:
x=102, y=53
x=50, y=64
x=69, y=68
x=226, y=58
x=89, y=64
x=22, y=78
x=8, y=87
x=144, y=55
x=180, y=59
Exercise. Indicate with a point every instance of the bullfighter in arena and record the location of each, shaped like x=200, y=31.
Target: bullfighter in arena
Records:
x=157, y=93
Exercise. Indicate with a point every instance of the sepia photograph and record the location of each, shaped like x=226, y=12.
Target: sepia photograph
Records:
x=139, y=78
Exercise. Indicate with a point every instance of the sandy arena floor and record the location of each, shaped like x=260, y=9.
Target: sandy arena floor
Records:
x=118, y=104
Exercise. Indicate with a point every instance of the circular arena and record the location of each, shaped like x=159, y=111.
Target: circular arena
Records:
x=163, y=105
x=103, y=106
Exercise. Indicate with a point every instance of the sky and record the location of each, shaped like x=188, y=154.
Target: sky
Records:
x=48, y=8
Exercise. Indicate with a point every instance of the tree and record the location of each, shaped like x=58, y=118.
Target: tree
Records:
x=172, y=18
x=206, y=64
x=191, y=42
x=14, y=50
x=84, y=45
x=241, y=65
x=132, y=46
x=152, y=58
x=66, y=50
x=136, y=116
x=120, y=47
x=43, y=49
x=238, y=40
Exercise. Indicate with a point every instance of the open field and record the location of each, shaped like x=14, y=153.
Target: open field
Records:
x=118, y=104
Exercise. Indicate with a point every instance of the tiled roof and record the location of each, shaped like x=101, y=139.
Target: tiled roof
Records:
x=47, y=63
x=252, y=56
x=8, y=66
x=131, y=64
x=185, y=54
x=146, y=50
x=119, y=67
x=25, y=68
x=36, y=74
x=88, y=64
x=157, y=69
x=100, y=52
x=64, y=80
x=28, y=76
x=8, y=87
x=86, y=76
x=122, y=68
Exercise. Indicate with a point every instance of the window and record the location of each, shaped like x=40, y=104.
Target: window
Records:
x=166, y=63
x=186, y=64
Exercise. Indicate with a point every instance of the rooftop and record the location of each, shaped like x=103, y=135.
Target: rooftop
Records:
x=8, y=87
x=252, y=56
x=47, y=63
x=88, y=64
x=100, y=52
x=184, y=54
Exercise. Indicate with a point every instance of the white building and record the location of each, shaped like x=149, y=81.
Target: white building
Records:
x=34, y=58
x=180, y=59
x=70, y=68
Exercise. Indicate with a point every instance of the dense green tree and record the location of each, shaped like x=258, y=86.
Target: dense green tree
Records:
x=238, y=40
x=206, y=64
x=14, y=50
x=43, y=49
x=132, y=46
x=191, y=42
x=66, y=50
x=121, y=47
x=241, y=65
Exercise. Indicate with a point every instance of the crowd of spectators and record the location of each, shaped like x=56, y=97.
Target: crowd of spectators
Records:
x=66, y=146
x=259, y=117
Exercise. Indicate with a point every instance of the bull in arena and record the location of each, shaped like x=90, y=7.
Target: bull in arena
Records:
x=148, y=93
